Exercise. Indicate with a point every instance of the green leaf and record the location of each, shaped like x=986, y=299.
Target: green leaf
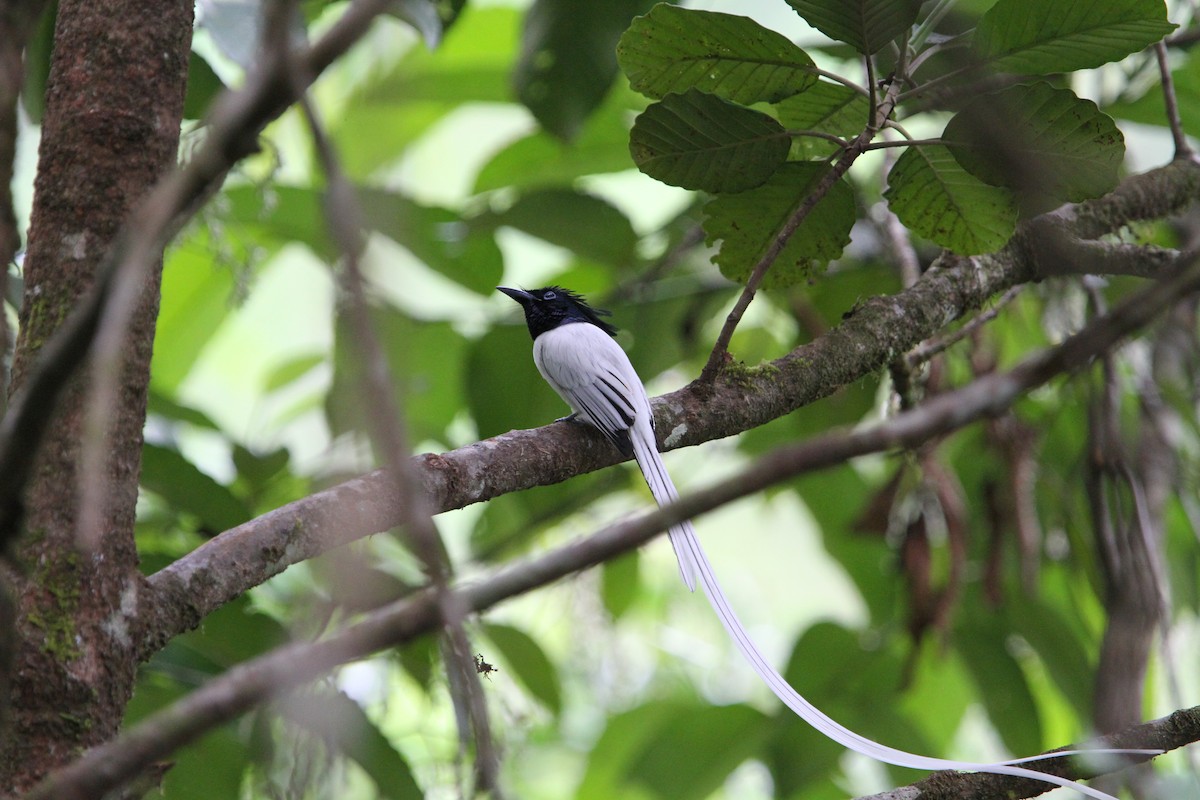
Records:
x=673, y=750
x=504, y=390
x=748, y=223
x=865, y=25
x=439, y=237
x=168, y=474
x=619, y=582
x=826, y=107
x=1044, y=143
x=197, y=295
x=602, y=145
x=36, y=63
x=1150, y=108
x=585, y=224
x=934, y=196
x=699, y=141
x=1036, y=37
x=163, y=406
x=567, y=63
x=202, y=86
x=292, y=370
x=529, y=664
x=671, y=50
x=341, y=724
x=1002, y=685
x=422, y=358
x=1057, y=643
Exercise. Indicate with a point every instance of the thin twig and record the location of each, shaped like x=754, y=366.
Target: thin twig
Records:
x=927, y=350
x=1182, y=148
x=386, y=418
x=805, y=207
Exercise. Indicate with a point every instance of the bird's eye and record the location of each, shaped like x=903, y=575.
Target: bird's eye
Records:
x=549, y=296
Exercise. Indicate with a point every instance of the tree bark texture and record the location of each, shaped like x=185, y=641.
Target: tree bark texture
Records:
x=114, y=103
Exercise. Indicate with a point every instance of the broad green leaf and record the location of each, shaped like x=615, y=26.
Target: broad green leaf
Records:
x=437, y=236
x=934, y=196
x=699, y=141
x=1002, y=685
x=567, y=61
x=423, y=359
x=441, y=238
x=504, y=389
x=1041, y=38
x=663, y=749
x=748, y=223
x=712, y=740
x=171, y=476
x=197, y=293
x=1059, y=645
x=529, y=664
x=212, y=766
x=540, y=159
x=671, y=50
x=342, y=725
x=1044, y=143
x=202, y=86
x=619, y=583
x=865, y=25
x=293, y=369
x=826, y=107
x=162, y=406
x=584, y=224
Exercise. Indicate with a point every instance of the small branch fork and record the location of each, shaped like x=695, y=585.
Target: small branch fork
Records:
x=881, y=112
x=272, y=675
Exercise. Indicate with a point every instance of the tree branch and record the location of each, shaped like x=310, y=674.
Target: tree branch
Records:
x=183, y=593
x=1167, y=733
x=275, y=673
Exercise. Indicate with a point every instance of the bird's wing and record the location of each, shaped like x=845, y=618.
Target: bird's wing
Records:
x=592, y=373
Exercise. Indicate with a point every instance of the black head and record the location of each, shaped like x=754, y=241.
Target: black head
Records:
x=549, y=307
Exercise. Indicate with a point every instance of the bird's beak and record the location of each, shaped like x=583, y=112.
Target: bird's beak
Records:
x=520, y=295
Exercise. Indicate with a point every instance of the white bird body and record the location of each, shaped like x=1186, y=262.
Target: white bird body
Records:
x=590, y=371
x=576, y=354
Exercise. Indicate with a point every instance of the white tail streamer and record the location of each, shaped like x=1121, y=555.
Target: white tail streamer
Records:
x=694, y=563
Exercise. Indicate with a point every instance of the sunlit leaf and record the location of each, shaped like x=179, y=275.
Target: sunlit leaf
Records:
x=748, y=223
x=1042, y=38
x=934, y=196
x=865, y=25
x=826, y=107
x=699, y=141
x=671, y=50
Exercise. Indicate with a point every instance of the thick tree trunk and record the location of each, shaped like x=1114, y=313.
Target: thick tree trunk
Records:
x=113, y=107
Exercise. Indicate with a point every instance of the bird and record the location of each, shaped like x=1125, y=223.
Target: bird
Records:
x=575, y=351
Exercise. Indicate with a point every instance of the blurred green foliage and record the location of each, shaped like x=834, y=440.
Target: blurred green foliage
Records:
x=598, y=691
